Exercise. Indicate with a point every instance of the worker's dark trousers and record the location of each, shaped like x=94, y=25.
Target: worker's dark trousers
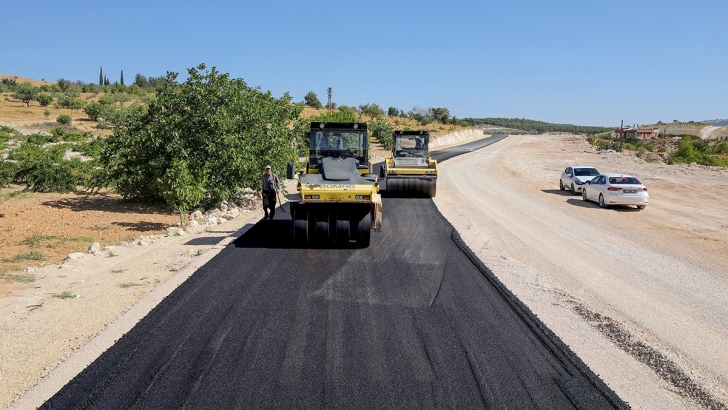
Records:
x=269, y=202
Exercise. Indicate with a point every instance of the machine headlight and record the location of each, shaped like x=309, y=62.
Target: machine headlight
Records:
x=363, y=197
x=311, y=196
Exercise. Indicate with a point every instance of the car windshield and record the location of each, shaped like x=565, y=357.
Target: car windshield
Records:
x=624, y=181
x=585, y=172
x=410, y=145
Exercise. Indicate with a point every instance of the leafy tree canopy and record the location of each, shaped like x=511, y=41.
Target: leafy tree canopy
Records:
x=199, y=141
x=311, y=99
x=26, y=93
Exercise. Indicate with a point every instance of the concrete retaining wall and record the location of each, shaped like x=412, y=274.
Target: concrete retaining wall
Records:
x=457, y=137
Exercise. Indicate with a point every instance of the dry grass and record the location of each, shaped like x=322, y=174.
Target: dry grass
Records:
x=398, y=123
x=21, y=80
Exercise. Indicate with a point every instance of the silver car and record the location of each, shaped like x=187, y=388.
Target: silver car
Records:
x=616, y=189
x=574, y=178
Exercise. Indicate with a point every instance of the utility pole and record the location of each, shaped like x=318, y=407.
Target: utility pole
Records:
x=329, y=105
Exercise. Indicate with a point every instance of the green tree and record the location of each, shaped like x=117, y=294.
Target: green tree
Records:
x=26, y=93
x=140, y=80
x=70, y=101
x=441, y=115
x=200, y=140
x=122, y=77
x=94, y=110
x=107, y=99
x=44, y=99
x=393, y=112
x=373, y=111
x=311, y=99
x=65, y=85
x=122, y=98
x=101, y=76
x=64, y=119
x=382, y=131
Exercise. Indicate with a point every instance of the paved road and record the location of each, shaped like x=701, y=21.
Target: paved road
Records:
x=413, y=321
x=707, y=131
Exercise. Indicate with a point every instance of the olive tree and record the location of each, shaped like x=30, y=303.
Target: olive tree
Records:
x=199, y=141
x=311, y=99
x=26, y=93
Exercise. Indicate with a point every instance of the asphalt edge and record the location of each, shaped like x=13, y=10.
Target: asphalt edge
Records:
x=560, y=349
x=53, y=382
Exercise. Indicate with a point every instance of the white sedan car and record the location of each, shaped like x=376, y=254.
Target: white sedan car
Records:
x=574, y=178
x=616, y=189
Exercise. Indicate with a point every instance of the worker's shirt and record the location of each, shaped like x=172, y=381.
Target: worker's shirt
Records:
x=271, y=182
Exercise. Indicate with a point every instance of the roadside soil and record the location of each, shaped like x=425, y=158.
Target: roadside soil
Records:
x=640, y=296
x=659, y=274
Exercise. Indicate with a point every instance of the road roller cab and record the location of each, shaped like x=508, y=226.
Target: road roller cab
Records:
x=410, y=171
x=338, y=197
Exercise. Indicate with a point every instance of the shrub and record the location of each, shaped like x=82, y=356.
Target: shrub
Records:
x=44, y=99
x=94, y=110
x=382, y=131
x=7, y=172
x=70, y=101
x=64, y=119
x=46, y=170
x=7, y=133
x=107, y=99
x=47, y=113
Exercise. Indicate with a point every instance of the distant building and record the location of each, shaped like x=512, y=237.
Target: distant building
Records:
x=647, y=133
x=625, y=132
x=641, y=133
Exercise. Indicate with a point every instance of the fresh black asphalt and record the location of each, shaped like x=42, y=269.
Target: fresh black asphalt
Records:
x=414, y=321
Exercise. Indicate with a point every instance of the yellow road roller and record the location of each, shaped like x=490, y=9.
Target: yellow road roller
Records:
x=338, y=198
x=410, y=171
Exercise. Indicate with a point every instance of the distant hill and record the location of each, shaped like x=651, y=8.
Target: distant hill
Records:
x=537, y=126
x=716, y=123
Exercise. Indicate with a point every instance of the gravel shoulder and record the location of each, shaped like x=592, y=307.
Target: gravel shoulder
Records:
x=622, y=287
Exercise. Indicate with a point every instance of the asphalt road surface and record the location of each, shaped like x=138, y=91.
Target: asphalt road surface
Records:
x=412, y=321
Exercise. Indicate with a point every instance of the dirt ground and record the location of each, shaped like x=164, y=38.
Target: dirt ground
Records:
x=657, y=274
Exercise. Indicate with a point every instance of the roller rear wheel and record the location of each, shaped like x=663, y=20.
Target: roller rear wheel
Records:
x=364, y=230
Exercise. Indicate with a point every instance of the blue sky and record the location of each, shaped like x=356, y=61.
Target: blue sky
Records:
x=561, y=61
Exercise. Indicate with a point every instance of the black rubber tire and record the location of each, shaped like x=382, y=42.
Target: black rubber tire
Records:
x=363, y=231
x=561, y=186
x=602, y=204
x=300, y=226
x=583, y=195
x=641, y=207
x=382, y=172
x=321, y=227
x=573, y=191
x=343, y=230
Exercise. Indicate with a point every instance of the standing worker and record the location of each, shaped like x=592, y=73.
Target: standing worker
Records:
x=271, y=186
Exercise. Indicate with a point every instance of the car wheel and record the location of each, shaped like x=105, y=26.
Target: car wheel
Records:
x=583, y=194
x=641, y=206
x=561, y=186
x=601, y=201
x=573, y=190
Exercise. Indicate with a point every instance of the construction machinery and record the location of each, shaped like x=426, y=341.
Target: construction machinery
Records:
x=338, y=198
x=411, y=170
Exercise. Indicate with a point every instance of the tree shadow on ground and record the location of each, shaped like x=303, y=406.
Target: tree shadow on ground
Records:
x=102, y=202
x=143, y=226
